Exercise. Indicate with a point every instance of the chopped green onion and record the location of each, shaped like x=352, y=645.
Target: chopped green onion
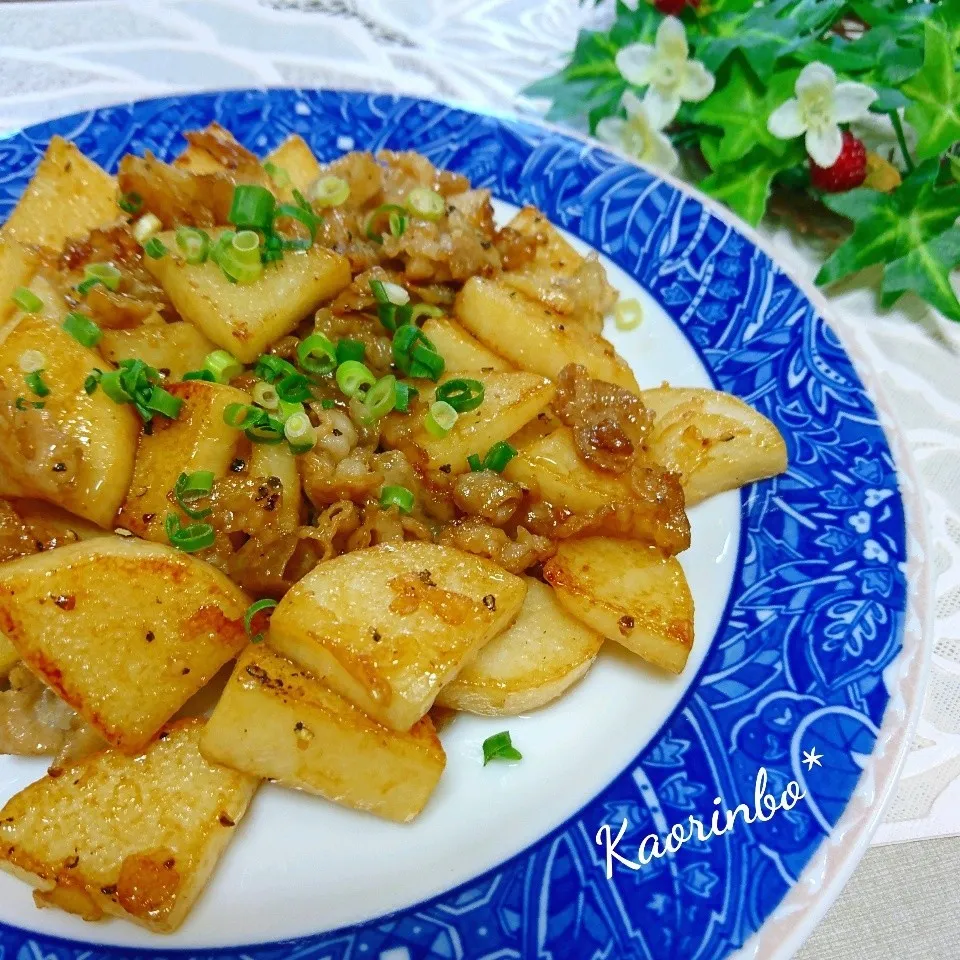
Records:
x=300, y=433
x=440, y=419
x=268, y=430
x=194, y=244
x=405, y=341
x=146, y=227
x=265, y=395
x=92, y=381
x=294, y=388
x=131, y=203
x=426, y=362
x=426, y=203
x=32, y=360
x=303, y=215
x=424, y=310
x=190, y=488
x=21, y=403
x=190, y=539
x=163, y=402
x=221, y=245
x=396, y=218
x=223, y=365
x=200, y=375
x=316, y=355
x=85, y=286
x=241, y=415
x=330, y=191
x=259, y=607
x=277, y=174
x=462, y=394
x=474, y=463
x=82, y=329
x=155, y=248
x=27, y=300
x=350, y=350
x=353, y=377
x=384, y=291
x=113, y=387
x=35, y=382
x=272, y=368
x=105, y=273
x=379, y=401
x=498, y=456
x=628, y=314
x=252, y=207
x=288, y=408
x=500, y=747
x=240, y=261
x=403, y=397
x=328, y=404
x=396, y=496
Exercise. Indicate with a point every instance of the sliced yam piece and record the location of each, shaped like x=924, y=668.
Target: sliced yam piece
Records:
x=713, y=440
x=278, y=460
x=246, y=318
x=388, y=626
x=68, y=196
x=278, y=722
x=297, y=161
x=628, y=592
x=214, y=149
x=532, y=337
x=17, y=266
x=171, y=347
x=76, y=451
x=539, y=656
x=510, y=400
x=198, y=439
x=123, y=630
x=131, y=837
x=8, y=656
x=459, y=349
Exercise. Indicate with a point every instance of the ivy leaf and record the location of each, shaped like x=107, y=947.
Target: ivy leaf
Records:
x=925, y=270
x=741, y=107
x=935, y=90
x=947, y=15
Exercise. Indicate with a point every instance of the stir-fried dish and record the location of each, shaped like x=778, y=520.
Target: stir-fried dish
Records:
x=335, y=425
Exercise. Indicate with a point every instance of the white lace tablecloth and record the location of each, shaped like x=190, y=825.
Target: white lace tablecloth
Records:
x=57, y=56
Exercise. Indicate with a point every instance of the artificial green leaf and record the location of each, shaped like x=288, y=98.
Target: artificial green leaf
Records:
x=888, y=100
x=741, y=108
x=925, y=270
x=935, y=91
x=947, y=14
x=745, y=186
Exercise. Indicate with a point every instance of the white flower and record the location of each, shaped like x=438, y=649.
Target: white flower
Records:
x=641, y=134
x=819, y=108
x=666, y=69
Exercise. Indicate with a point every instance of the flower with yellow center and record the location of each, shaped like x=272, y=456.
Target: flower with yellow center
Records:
x=641, y=134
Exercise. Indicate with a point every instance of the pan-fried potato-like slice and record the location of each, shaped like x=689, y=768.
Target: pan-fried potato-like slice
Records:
x=8, y=656
x=628, y=592
x=277, y=721
x=17, y=265
x=174, y=347
x=197, y=440
x=509, y=401
x=388, y=626
x=714, y=440
x=278, y=460
x=68, y=196
x=296, y=159
x=78, y=450
x=539, y=656
x=123, y=630
x=246, y=318
x=131, y=837
x=532, y=337
x=459, y=350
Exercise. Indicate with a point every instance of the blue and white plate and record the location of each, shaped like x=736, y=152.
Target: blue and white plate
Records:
x=808, y=624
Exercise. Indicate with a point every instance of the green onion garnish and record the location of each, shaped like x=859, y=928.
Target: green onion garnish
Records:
x=113, y=387
x=252, y=611
x=440, y=419
x=194, y=244
x=500, y=747
x=330, y=191
x=379, y=400
x=27, y=300
x=252, y=207
x=300, y=433
x=131, y=203
x=628, y=314
x=105, y=273
x=286, y=409
x=328, y=404
x=240, y=261
x=350, y=350
x=200, y=375
x=403, y=397
x=90, y=384
x=32, y=360
x=35, y=382
x=396, y=220
x=155, y=248
x=353, y=377
x=189, y=539
x=146, y=227
x=424, y=310
x=498, y=456
x=223, y=365
x=162, y=402
x=82, y=329
x=462, y=394
x=277, y=174
x=474, y=463
x=21, y=403
x=272, y=368
x=191, y=487
x=265, y=395
x=242, y=415
x=396, y=496
x=316, y=355
x=426, y=203
x=414, y=354
x=393, y=304
x=294, y=388
x=303, y=215
x=267, y=430
x=85, y=286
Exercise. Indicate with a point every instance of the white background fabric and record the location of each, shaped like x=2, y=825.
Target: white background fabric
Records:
x=64, y=55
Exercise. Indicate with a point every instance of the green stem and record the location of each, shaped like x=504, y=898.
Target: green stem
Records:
x=902, y=140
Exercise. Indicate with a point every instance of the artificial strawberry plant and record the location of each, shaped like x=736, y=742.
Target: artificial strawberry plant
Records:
x=854, y=104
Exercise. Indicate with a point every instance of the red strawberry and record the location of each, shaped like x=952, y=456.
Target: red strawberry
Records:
x=849, y=171
x=670, y=8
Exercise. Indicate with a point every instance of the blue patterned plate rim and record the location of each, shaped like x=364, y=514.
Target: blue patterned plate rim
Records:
x=756, y=694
